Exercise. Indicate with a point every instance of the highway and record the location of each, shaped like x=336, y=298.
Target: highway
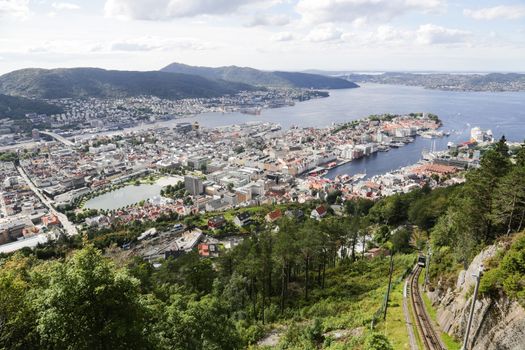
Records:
x=66, y=224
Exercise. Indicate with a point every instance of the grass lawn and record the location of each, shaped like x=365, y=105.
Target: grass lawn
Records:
x=394, y=327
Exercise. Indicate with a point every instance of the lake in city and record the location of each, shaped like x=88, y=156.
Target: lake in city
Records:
x=129, y=195
x=503, y=112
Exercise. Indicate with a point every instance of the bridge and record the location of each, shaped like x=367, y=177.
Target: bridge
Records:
x=58, y=138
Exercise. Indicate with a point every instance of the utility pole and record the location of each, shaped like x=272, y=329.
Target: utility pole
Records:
x=389, y=283
x=427, y=268
x=471, y=315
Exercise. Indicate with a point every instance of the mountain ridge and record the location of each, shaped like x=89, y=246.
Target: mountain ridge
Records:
x=96, y=82
x=257, y=77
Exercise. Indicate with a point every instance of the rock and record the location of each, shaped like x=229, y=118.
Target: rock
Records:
x=271, y=339
x=497, y=324
x=339, y=334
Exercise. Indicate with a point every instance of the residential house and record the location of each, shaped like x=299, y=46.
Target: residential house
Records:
x=216, y=222
x=242, y=219
x=318, y=213
x=274, y=215
x=208, y=249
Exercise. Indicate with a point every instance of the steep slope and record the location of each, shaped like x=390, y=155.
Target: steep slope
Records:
x=94, y=82
x=17, y=107
x=498, y=322
x=261, y=78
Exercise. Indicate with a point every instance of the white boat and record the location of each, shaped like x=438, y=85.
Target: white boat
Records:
x=358, y=177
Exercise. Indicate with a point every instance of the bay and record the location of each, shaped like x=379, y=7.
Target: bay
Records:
x=502, y=112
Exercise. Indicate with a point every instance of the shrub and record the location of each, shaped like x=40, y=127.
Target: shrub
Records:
x=377, y=341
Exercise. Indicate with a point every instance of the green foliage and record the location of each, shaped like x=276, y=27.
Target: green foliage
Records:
x=377, y=341
x=507, y=272
x=261, y=78
x=94, y=82
x=195, y=324
x=425, y=211
x=401, y=240
x=18, y=319
x=86, y=304
x=8, y=156
x=18, y=107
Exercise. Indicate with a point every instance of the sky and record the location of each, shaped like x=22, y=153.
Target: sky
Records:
x=349, y=35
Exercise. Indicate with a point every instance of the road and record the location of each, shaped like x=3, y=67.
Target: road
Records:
x=70, y=228
x=58, y=138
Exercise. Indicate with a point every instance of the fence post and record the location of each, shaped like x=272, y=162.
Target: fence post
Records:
x=389, y=283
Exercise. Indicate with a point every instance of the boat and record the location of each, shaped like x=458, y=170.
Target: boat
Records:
x=331, y=165
x=396, y=144
x=345, y=178
x=358, y=177
x=319, y=171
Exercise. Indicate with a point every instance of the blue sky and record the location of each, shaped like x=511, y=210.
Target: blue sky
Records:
x=359, y=35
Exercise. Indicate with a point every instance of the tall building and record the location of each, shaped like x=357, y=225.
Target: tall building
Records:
x=193, y=185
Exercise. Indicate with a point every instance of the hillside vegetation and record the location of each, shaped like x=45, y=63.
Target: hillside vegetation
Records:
x=18, y=107
x=263, y=78
x=94, y=82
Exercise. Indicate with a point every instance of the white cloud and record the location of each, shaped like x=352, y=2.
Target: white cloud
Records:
x=65, y=6
x=158, y=44
x=170, y=9
x=390, y=35
x=14, y=8
x=319, y=11
x=429, y=34
x=503, y=12
x=283, y=36
x=268, y=20
x=325, y=32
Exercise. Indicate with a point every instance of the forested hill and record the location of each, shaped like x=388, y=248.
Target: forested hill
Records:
x=263, y=78
x=306, y=283
x=18, y=107
x=95, y=82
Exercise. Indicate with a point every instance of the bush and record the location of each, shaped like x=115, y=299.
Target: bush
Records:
x=509, y=275
x=377, y=341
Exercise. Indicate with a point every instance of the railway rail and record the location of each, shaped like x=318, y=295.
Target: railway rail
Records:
x=430, y=338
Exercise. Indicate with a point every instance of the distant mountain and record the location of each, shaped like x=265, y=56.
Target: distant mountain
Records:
x=17, y=107
x=333, y=73
x=94, y=82
x=262, y=78
x=447, y=81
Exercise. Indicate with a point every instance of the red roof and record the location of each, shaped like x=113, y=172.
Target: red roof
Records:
x=321, y=210
x=274, y=215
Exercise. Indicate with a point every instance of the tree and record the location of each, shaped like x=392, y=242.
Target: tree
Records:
x=87, y=303
x=309, y=242
x=401, y=240
x=17, y=317
x=501, y=147
x=285, y=251
x=508, y=206
x=195, y=324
